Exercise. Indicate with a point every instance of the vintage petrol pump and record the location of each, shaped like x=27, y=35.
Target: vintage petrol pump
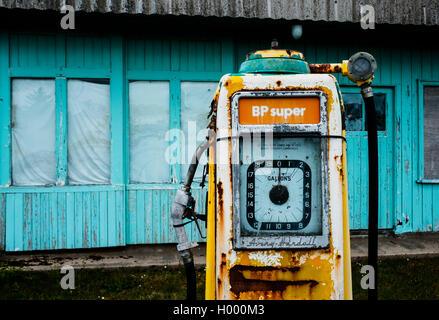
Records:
x=277, y=220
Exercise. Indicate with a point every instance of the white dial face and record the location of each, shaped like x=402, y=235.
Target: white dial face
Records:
x=281, y=190
x=279, y=194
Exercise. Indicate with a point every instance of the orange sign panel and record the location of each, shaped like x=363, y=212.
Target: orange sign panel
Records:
x=291, y=110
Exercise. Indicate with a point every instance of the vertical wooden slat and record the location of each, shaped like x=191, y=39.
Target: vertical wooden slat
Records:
x=61, y=131
x=27, y=221
x=5, y=115
x=61, y=215
x=111, y=221
x=396, y=78
x=406, y=133
x=132, y=216
x=227, y=56
x=427, y=208
x=140, y=216
x=155, y=212
x=164, y=200
x=70, y=220
x=103, y=218
x=18, y=223
x=87, y=223
x=79, y=220
x=121, y=218
x=95, y=225
x=416, y=71
x=117, y=100
x=175, y=126
x=2, y=221
x=148, y=216
x=10, y=222
x=36, y=216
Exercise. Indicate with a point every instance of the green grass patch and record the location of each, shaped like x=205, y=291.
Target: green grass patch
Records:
x=95, y=284
x=401, y=279
x=410, y=279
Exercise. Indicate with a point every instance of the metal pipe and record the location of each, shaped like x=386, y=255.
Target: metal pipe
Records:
x=326, y=67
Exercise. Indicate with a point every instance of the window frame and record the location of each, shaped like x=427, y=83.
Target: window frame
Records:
x=61, y=126
x=11, y=120
x=128, y=121
x=175, y=79
x=61, y=142
x=62, y=173
x=388, y=91
x=420, y=86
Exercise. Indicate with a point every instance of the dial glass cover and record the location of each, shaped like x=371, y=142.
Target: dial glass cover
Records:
x=280, y=186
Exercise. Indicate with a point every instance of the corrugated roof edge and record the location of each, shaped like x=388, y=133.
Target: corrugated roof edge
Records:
x=402, y=12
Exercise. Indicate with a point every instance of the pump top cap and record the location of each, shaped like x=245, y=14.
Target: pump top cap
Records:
x=275, y=61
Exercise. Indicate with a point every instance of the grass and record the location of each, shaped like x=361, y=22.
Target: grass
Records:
x=401, y=279
x=411, y=279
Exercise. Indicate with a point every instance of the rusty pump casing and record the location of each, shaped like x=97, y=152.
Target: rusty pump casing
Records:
x=305, y=255
x=306, y=269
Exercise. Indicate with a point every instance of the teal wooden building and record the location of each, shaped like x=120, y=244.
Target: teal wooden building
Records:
x=97, y=123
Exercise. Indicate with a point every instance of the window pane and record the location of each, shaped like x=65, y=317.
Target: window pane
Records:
x=353, y=103
x=380, y=109
x=195, y=106
x=33, y=132
x=149, y=123
x=431, y=132
x=88, y=132
x=355, y=108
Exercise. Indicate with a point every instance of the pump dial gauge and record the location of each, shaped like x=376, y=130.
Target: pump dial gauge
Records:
x=281, y=186
x=278, y=195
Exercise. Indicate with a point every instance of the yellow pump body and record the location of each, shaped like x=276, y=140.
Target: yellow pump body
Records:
x=278, y=221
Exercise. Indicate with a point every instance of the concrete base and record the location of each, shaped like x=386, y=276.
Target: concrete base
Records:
x=141, y=256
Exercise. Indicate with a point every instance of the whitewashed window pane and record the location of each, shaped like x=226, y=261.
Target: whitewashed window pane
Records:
x=88, y=132
x=195, y=106
x=149, y=123
x=33, y=132
x=431, y=132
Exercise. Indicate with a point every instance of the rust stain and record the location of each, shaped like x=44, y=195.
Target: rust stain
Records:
x=222, y=273
x=325, y=68
x=339, y=161
x=300, y=274
x=220, y=190
x=240, y=283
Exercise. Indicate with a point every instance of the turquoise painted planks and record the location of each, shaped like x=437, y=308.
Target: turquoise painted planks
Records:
x=176, y=55
x=42, y=221
x=87, y=52
x=2, y=220
x=5, y=130
x=5, y=116
x=30, y=50
x=149, y=212
x=98, y=216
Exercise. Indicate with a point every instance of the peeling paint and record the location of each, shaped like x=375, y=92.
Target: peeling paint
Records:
x=268, y=258
x=278, y=274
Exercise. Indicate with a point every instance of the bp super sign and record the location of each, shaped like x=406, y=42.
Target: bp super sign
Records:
x=279, y=110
